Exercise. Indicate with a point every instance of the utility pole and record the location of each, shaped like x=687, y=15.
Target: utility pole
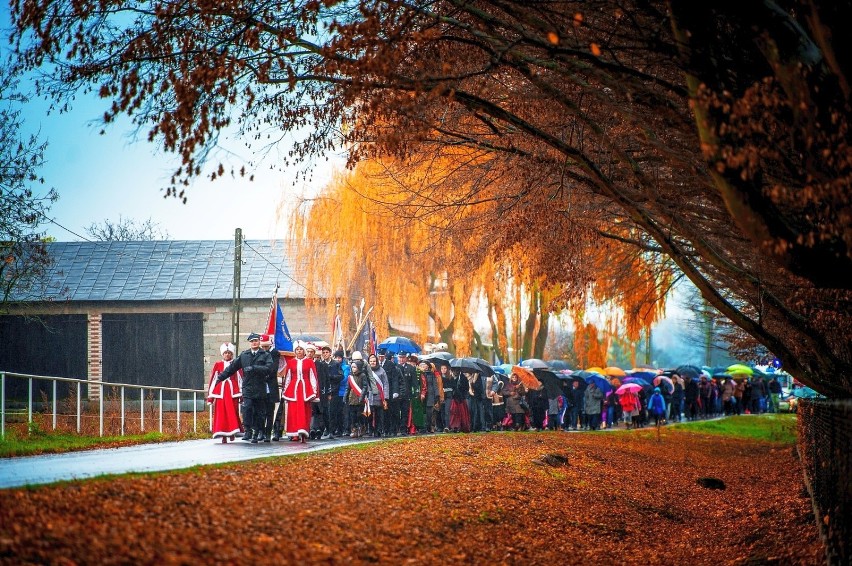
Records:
x=708, y=335
x=235, y=304
x=648, y=346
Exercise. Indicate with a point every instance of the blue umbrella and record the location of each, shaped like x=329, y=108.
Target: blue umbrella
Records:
x=637, y=380
x=643, y=374
x=599, y=380
x=397, y=344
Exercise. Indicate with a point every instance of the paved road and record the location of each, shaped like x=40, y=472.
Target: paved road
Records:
x=35, y=470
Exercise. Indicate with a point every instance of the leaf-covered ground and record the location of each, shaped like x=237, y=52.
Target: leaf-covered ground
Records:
x=541, y=498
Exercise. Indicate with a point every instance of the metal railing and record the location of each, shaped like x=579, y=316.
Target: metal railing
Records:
x=121, y=387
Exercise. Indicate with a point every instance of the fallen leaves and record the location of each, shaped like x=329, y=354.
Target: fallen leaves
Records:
x=510, y=497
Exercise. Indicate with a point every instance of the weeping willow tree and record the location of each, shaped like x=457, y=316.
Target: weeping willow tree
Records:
x=387, y=231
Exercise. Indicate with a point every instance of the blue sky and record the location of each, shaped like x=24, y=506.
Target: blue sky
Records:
x=104, y=177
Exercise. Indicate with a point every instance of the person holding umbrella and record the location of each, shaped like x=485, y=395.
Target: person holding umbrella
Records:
x=629, y=403
x=515, y=394
x=657, y=406
x=431, y=395
x=592, y=405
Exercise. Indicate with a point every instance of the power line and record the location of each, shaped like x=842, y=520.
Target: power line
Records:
x=279, y=270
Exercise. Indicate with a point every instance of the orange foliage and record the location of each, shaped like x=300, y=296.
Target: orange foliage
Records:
x=545, y=498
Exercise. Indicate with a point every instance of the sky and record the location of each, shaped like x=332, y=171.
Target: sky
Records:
x=111, y=176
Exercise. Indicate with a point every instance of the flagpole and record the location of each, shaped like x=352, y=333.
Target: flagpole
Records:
x=272, y=304
x=360, y=328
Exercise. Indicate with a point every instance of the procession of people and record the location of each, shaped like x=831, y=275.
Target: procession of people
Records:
x=310, y=393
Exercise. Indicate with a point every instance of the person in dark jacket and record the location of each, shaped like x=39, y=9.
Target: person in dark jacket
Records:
x=392, y=423
x=273, y=395
x=577, y=404
x=690, y=397
x=328, y=388
x=677, y=398
x=335, y=399
x=256, y=364
x=409, y=385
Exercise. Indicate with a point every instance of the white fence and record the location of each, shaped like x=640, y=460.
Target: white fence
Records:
x=121, y=387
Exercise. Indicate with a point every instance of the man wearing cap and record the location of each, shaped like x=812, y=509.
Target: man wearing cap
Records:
x=256, y=364
x=300, y=388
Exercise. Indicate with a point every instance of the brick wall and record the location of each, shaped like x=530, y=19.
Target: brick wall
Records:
x=95, y=357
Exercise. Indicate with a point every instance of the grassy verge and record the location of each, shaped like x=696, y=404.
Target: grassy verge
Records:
x=35, y=441
x=780, y=427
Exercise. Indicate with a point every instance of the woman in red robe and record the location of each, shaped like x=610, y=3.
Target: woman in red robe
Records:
x=225, y=397
x=300, y=387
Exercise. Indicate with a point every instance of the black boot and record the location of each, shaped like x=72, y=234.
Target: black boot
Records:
x=247, y=435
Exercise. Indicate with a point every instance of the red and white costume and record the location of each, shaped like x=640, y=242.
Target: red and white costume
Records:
x=300, y=387
x=225, y=397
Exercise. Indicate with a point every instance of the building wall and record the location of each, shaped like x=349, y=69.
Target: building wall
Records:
x=253, y=318
x=216, y=316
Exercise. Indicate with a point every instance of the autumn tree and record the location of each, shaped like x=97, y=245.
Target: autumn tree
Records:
x=721, y=149
x=24, y=261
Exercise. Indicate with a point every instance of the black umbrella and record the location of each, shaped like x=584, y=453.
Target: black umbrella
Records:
x=688, y=371
x=472, y=365
x=534, y=363
x=438, y=358
x=442, y=355
x=466, y=365
x=550, y=381
x=485, y=367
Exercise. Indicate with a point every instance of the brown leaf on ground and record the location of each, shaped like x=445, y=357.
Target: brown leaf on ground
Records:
x=482, y=498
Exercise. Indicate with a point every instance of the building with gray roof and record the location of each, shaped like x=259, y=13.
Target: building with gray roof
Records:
x=152, y=312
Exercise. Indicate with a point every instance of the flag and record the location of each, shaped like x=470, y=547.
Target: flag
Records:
x=363, y=340
x=337, y=335
x=373, y=342
x=276, y=326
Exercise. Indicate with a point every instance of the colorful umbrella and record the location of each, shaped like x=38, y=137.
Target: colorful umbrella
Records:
x=740, y=369
x=628, y=388
x=638, y=381
x=527, y=377
x=613, y=371
x=596, y=370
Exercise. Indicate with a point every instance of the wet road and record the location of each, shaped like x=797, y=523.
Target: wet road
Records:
x=48, y=468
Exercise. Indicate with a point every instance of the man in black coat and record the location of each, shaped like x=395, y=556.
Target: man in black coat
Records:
x=273, y=395
x=408, y=384
x=394, y=378
x=326, y=390
x=256, y=364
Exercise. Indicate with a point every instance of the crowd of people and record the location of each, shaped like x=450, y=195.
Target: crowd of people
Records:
x=263, y=395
